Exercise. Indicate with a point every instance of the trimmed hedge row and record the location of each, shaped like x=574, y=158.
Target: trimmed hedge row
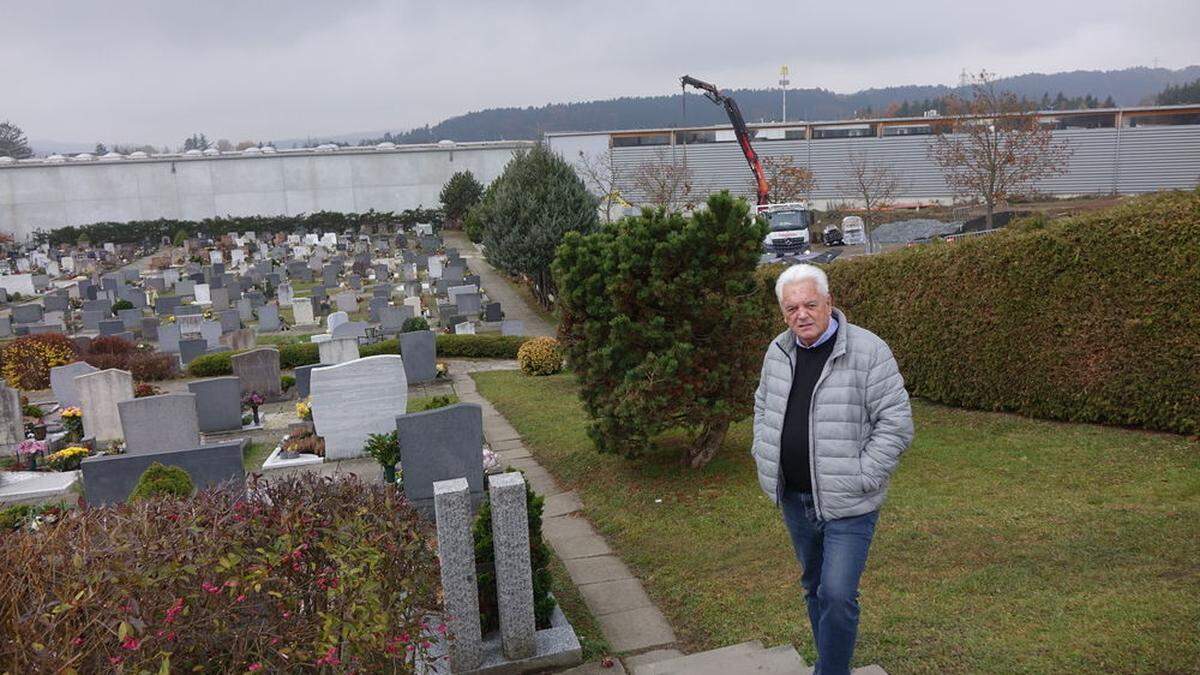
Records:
x=306, y=353
x=1094, y=318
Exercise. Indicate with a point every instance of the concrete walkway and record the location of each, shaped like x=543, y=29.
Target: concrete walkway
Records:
x=498, y=288
x=629, y=620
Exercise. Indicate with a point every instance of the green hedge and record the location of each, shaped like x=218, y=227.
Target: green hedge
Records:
x=306, y=353
x=1094, y=318
x=480, y=346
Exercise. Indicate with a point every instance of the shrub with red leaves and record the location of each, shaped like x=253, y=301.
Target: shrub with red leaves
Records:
x=301, y=573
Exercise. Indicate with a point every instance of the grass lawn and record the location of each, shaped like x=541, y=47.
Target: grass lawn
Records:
x=1007, y=545
x=254, y=455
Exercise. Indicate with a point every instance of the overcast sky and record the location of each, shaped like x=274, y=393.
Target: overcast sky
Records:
x=154, y=72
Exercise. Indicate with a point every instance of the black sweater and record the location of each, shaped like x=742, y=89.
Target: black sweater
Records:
x=793, y=443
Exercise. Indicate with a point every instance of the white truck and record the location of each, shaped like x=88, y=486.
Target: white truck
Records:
x=853, y=231
x=789, y=228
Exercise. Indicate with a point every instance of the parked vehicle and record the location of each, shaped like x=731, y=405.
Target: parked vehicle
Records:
x=832, y=237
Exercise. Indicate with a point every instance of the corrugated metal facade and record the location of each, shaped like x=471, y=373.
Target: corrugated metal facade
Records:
x=1125, y=160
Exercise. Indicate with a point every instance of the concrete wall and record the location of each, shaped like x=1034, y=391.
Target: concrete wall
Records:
x=43, y=195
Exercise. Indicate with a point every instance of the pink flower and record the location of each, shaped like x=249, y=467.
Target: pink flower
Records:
x=330, y=658
x=211, y=588
x=254, y=666
x=131, y=643
x=240, y=598
x=77, y=641
x=116, y=660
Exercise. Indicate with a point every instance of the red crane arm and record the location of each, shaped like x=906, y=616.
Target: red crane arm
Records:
x=740, y=131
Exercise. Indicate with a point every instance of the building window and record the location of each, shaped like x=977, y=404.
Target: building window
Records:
x=690, y=137
x=912, y=130
x=843, y=132
x=640, y=140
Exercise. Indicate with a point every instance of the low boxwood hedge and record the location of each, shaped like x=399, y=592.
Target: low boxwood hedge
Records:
x=480, y=346
x=1093, y=318
x=211, y=365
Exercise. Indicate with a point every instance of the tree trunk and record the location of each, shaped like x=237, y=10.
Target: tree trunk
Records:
x=991, y=207
x=707, y=443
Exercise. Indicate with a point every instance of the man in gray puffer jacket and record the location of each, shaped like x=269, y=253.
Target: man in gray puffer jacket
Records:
x=831, y=419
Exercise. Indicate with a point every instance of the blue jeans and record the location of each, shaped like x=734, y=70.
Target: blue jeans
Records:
x=832, y=555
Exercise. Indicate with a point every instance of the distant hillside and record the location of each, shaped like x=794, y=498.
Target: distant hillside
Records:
x=1131, y=86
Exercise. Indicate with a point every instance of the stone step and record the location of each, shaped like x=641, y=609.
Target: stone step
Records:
x=746, y=657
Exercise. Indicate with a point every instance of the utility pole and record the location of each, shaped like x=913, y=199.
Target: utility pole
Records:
x=783, y=83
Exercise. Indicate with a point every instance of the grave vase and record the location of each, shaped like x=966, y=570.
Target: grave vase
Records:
x=389, y=474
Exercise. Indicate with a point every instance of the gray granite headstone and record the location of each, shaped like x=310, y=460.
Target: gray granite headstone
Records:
x=62, y=382
x=92, y=318
x=111, y=326
x=492, y=312
x=419, y=349
x=190, y=348
x=468, y=304
x=168, y=338
x=512, y=327
x=160, y=423
x=245, y=309
x=12, y=425
x=218, y=403
x=258, y=370
x=30, y=313
x=456, y=553
x=131, y=318
x=150, y=328
x=56, y=303
x=350, y=329
x=110, y=479
x=346, y=302
x=211, y=332
x=268, y=318
x=5, y=326
x=514, y=570
x=219, y=297
x=230, y=320
x=441, y=444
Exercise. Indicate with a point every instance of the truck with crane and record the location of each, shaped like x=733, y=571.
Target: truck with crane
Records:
x=789, y=222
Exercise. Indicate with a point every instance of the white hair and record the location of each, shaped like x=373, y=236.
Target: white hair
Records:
x=801, y=272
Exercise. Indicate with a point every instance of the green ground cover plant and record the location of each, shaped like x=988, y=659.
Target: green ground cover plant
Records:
x=1007, y=545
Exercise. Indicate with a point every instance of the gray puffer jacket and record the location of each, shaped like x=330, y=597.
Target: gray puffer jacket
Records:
x=860, y=421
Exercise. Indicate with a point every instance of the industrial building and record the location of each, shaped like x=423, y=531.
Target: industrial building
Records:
x=1114, y=150
x=53, y=192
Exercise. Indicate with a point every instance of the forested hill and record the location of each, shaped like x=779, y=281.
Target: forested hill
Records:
x=1131, y=86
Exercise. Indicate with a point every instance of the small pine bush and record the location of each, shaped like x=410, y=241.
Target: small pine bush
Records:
x=211, y=365
x=414, y=324
x=162, y=481
x=540, y=356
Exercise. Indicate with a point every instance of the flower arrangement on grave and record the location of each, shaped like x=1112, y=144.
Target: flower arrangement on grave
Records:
x=305, y=442
x=144, y=389
x=443, y=370
x=385, y=449
x=209, y=315
x=67, y=459
x=490, y=460
x=304, y=409
x=170, y=318
x=30, y=449
x=72, y=421
x=253, y=400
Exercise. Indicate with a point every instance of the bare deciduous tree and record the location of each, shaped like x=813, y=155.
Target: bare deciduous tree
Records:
x=603, y=177
x=788, y=181
x=995, y=145
x=664, y=183
x=872, y=183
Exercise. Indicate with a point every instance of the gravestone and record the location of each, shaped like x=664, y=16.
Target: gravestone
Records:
x=375, y=306
x=268, y=318
x=512, y=327
x=245, y=310
x=111, y=327
x=202, y=294
x=355, y=399
x=219, y=298
x=110, y=479
x=258, y=370
x=302, y=310
x=514, y=571
x=391, y=319
x=62, y=382
x=334, y=320
x=384, y=291
x=167, y=304
x=303, y=375
x=5, y=326
x=12, y=424
x=441, y=444
x=211, y=332
x=492, y=312
x=337, y=350
x=168, y=338
x=346, y=302
x=284, y=295
x=56, y=303
x=230, y=320
x=218, y=403
x=159, y=423
x=456, y=557
x=350, y=329
x=130, y=318
x=185, y=287
x=464, y=328
x=419, y=349
x=468, y=303
x=30, y=313
x=99, y=394
x=190, y=348
x=241, y=339
x=149, y=328
x=91, y=319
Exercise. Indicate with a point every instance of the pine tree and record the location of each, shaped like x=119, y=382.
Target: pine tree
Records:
x=13, y=142
x=459, y=194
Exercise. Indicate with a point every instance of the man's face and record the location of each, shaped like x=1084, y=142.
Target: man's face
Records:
x=806, y=310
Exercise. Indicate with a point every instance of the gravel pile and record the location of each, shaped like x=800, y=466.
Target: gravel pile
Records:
x=904, y=231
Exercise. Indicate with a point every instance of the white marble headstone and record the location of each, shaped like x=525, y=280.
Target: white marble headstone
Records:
x=355, y=399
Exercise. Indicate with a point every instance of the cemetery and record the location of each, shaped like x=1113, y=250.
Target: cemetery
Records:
x=215, y=443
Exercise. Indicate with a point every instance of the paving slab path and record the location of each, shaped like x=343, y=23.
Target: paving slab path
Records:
x=498, y=288
x=627, y=617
